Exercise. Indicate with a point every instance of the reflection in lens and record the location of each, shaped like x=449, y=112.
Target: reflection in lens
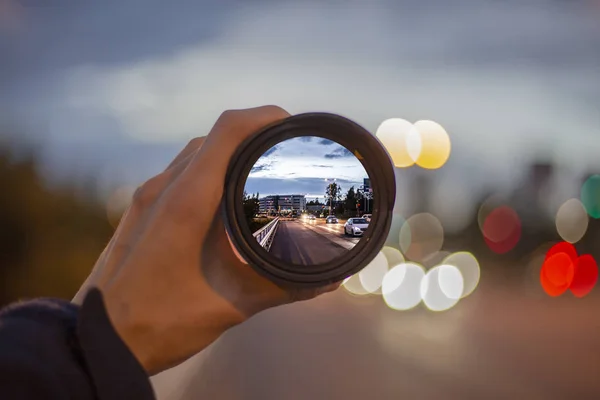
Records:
x=308, y=201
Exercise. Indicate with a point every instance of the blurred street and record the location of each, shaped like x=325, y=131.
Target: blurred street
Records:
x=503, y=342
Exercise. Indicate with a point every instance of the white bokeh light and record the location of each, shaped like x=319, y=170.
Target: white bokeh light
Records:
x=371, y=277
x=469, y=268
x=572, y=220
x=354, y=286
x=393, y=256
x=435, y=285
x=401, y=286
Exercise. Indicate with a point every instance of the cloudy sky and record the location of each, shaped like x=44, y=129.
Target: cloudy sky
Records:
x=115, y=88
x=305, y=165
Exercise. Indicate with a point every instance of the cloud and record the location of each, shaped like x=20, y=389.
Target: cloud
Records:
x=451, y=73
x=326, y=142
x=270, y=151
x=323, y=166
x=260, y=167
x=339, y=153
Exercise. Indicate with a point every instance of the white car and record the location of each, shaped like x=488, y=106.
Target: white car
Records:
x=356, y=226
x=367, y=217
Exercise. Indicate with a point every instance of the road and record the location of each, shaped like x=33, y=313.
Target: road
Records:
x=310, y=242
x=502, y=342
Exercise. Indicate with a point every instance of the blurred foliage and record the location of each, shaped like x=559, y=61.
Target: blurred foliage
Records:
x=50, y=237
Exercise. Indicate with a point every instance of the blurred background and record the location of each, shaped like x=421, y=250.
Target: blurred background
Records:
x=96, y=97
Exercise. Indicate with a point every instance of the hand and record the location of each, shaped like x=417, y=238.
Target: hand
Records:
x=172, y=283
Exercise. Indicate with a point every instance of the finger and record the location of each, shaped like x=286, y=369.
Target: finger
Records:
x=209, y=166
x=193, y=146
x=117, y=249
x=231, y=129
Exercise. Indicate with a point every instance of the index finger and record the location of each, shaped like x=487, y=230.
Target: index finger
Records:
x=230, y=130
x=209, y=166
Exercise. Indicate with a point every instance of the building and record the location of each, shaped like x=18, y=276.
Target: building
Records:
x=282, y=203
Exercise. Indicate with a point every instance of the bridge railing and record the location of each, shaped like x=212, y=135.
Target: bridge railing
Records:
x=264, y=236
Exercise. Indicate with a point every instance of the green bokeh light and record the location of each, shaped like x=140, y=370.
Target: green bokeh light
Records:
x=590, y=196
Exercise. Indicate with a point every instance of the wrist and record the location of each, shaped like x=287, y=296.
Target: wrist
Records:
x=161, y=338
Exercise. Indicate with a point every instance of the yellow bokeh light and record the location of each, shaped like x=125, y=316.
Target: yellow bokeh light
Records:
x=432, y=145
x=393, y=134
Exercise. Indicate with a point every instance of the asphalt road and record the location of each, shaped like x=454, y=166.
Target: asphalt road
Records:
x=306, y=243
x=502, y=342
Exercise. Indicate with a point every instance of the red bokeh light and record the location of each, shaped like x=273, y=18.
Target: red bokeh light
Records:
x=586, y=276
x=557, y=274
x=563, y=247
x=502, y=229
x=563, y=269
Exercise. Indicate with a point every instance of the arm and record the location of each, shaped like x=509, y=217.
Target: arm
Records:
x=53, y=349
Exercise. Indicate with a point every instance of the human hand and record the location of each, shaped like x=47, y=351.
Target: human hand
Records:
x=171, y=281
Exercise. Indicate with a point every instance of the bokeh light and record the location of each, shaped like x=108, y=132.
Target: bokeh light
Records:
x=421, y=236
x=572, y=221
x=557, y=273
x=429, y=144
x=469, y=268
x=393, y=134
x=118, y=202
x=590, y=196
x=401, y=286
x=354, y=286
x=438, y=285
x=489, y=205
x=502, y=229
x=585, y=277
x=394, y=256
x=563, y=247
x=372, y=275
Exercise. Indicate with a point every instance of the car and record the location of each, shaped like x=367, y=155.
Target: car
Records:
x=367, y=217
x=311, y=217
x=356, y=226
x=331, y=220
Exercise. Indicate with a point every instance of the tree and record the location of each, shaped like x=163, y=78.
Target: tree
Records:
x=251, y=206
x=350, y=201
x=333, y=193
x=276, y=203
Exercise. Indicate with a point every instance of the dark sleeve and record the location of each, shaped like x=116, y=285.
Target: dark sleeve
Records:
x=53, y=349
